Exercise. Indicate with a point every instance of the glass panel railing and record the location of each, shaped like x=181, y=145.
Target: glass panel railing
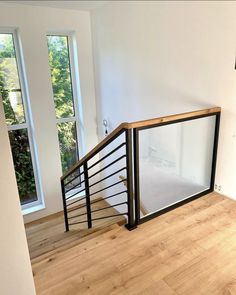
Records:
x=175, y=162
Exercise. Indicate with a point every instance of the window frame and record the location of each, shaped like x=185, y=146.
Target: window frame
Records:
x=28, y=124
x=75, y=88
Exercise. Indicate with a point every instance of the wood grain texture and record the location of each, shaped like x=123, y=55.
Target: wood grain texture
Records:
x=139, y=124
x=190, y=250
x=47, y=234
x=172, y=118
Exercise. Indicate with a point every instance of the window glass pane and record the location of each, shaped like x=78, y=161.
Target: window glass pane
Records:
x=23, y=165
x=59, y=63
x=10, y=91
x=68, y=145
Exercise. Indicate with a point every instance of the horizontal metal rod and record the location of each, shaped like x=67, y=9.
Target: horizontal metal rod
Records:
x=122, y=203
x=108, y=187
x=77, y=215
x=109, y=207
x=84, y=205
x=107, y=166
x=73, y=209
x=75, y=202
x=97, y=181
x=102, y=199
x=108, y=176
x=77, y=222
x=74, y=177
x=125, y=213
x=75, y=194
x=75, y=186
x=107, y=155
x=111, y=196
x=105, y=142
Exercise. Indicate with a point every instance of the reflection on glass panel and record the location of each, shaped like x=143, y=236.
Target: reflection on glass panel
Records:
x=68, y=145
x=23, y=165
x=175, y=162
x=9, y=82
x=61, y=75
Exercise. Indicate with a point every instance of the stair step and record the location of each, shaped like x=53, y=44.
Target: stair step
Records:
x=75, y=242
x=94, y=240
x=47, y=234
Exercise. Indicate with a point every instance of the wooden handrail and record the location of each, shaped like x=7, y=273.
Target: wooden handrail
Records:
x=102, y=143
x=171, y=118
x=138, y=124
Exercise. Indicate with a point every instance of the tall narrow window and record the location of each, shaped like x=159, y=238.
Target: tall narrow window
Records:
x=15, y=108
x=66, y=113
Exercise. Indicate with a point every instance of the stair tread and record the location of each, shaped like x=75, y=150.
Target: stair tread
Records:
x=48, y=234
x=95, y=240
x=73, y=243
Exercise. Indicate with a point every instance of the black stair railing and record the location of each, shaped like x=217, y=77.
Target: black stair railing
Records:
x=79, y=184
x=81, y=179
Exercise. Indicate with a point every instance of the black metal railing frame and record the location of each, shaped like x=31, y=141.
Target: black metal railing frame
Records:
x=132, y=176
x=86, y=182
x=136, y=131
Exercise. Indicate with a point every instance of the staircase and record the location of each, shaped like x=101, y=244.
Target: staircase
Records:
x=101, y=194
x=46, y=236
x=49, y=267
x=95, y=178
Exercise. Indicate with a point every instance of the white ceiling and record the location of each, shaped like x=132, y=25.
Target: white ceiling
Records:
x=75, y=5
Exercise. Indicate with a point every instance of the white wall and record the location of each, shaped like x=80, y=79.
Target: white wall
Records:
x=15, y=271
x=158, y=58
x=33, y=24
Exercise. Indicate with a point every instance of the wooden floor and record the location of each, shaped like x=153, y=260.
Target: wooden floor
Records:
x=191, y=251
x=47, y=234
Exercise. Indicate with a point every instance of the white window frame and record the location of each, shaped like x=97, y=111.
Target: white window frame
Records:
x=76, y=92
x=28, y=125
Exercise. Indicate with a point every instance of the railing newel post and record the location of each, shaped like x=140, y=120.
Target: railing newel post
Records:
x=64, y=205
x=87, y=194
x=215, y=148
x=130, y=193
x=136, y=175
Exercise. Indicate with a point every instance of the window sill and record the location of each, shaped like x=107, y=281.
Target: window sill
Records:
x=40, y=206
x=32, y=209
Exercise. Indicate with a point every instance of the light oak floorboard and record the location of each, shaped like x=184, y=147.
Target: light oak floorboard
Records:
x=48, y=234
x=190, y=250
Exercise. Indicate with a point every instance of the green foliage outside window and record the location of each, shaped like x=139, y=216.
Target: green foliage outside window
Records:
x=63, y=98
x=10, y=94
x=9, y=80
x=23, y=165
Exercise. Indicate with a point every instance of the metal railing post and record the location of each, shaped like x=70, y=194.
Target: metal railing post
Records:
x=215, y=148
x=136, y=176
x=130, y=194
x=87, y=193
x=64, y=205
